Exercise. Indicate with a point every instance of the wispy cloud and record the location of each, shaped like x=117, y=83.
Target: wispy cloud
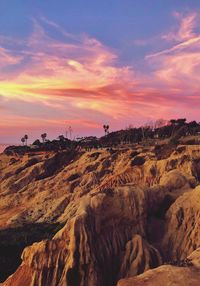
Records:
x=185, y=29
x=80, y=79
x=7, y=59
x=178, y=67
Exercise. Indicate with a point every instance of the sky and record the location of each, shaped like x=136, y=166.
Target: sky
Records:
x=85, y=63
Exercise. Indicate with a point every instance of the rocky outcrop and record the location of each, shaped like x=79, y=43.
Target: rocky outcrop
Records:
x=182, y=232
x=164, y=275
x=120, y=214
x=139, y=256
x=37, y=187
x=188, y=275
x=102, y=240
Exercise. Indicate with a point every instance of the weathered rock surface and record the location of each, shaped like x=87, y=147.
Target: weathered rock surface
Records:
x=169, y=275
x=38, y=187
x=182, y=233
x=165, y=275
x=139, y=256
x=104, y=203
x=102, y=239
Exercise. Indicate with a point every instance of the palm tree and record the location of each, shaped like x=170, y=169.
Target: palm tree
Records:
x=23, y=140
x=106, y=127
x=26, y=138
x=44, y=136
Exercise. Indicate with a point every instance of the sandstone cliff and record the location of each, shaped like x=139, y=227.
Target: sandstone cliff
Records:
x=120, y=213
x=186, y=275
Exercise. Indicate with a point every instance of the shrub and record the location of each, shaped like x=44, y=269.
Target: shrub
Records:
x=138, y=161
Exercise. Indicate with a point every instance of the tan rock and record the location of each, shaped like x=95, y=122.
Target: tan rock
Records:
x=139, y=256
x=169, y=275
x=97, y=240
x=182, y=232
x=166, y=275
x=103, y=201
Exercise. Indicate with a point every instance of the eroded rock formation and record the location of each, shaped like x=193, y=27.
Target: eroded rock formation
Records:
x=182, y=233
x=187, y=275
x=118, y=215
x=102, y=240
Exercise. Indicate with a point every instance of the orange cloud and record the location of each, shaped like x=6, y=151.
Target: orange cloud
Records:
x=79, y=81
x=57, y=65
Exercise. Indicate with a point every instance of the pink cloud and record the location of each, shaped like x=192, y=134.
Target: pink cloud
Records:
x=177, y=68
x=79, y=81
x=6, y=58
x=186, y=28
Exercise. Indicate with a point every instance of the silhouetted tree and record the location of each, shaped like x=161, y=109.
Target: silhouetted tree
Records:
x=193, y=128
x=26, y=138
x=193, y=124
x=160, y=123
x=23, y=140
x=172, y=121
x=44, y=136
x=181, y=121
x=37, y=142
x=173, y=124
x=61, y=138
x=106, y=128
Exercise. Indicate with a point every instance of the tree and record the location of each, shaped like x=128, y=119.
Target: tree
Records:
x=193, y=124
x=106, y=128
x=61, y=138
x=193, y=127
x=37, y=142
x=181, y=121
x=173, y=124
x=26, y=138
x=173, y=121
x=146, y=128
x=23, y=140
x=44, y=136
x=160, y=123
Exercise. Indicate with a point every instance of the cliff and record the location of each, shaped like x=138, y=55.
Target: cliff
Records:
x=107, y=214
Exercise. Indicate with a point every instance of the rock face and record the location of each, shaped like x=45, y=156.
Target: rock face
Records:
x=164, y=275
x=182, y=233
x=118, y=215
x=102, y=240
x=169, y=275
x=139, y=256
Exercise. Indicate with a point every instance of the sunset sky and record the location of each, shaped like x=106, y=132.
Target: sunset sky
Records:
x=86, y=63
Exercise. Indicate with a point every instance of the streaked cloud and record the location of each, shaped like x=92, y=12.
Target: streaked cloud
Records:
x=185, y=29
x=178, y=66
x=78, y=80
